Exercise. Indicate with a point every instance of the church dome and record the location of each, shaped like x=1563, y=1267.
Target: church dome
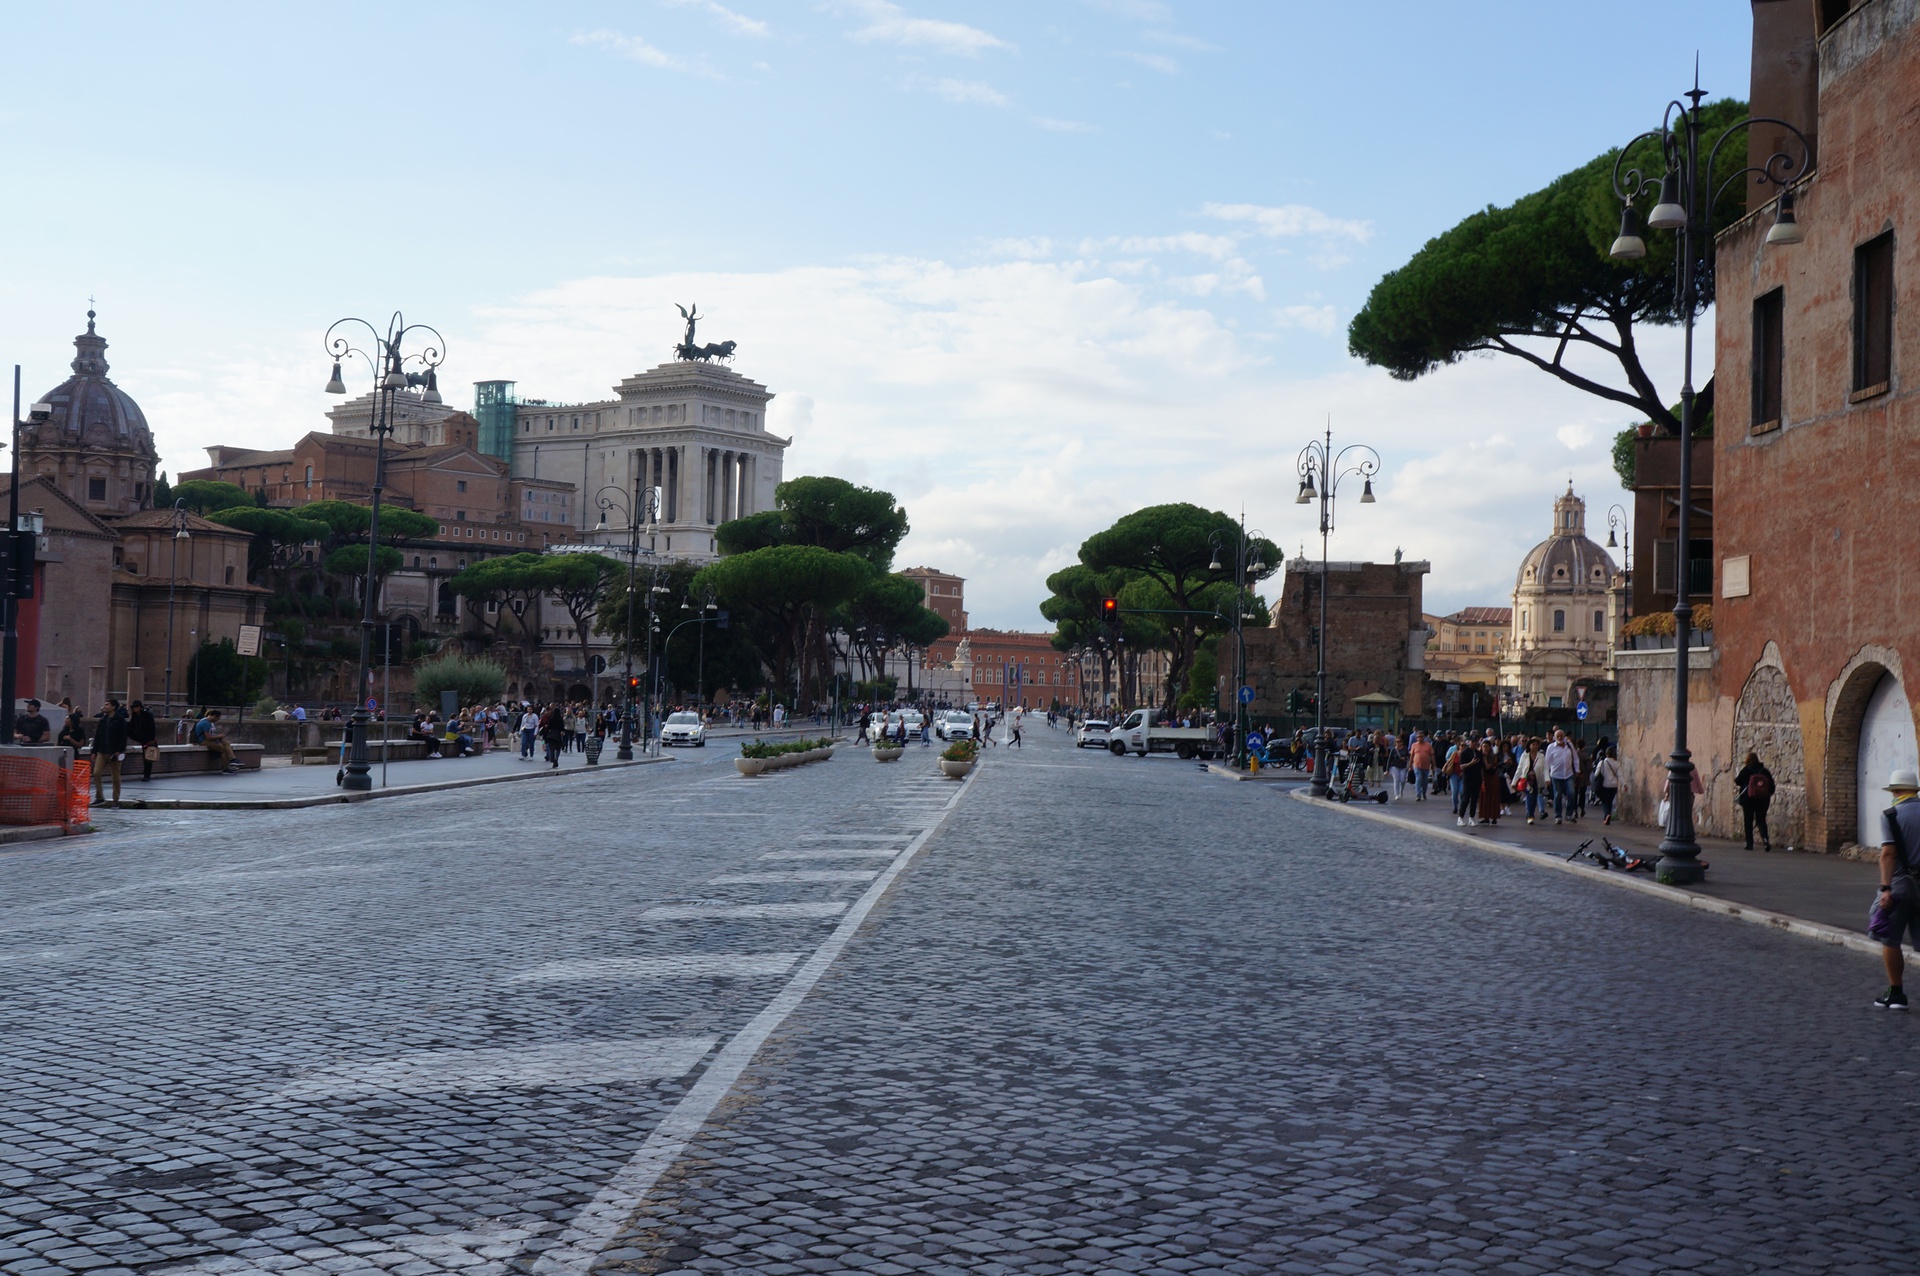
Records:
x=89, y=411
x=1567, y=559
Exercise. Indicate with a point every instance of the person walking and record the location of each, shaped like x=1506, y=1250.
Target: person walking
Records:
x=1530, y=776
x=1606, y=785
x=1397, y=766
x=529, y=727
x=1420, y=763
x=143, y=733
x=1898, y=907
x=1013, y=732
x=1560, y=768
x=1469, y=770
x=109, y=749
x=1753, y=790
x=553, y=730
x=1493, y=784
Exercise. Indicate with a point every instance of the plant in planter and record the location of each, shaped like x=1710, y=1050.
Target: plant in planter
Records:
x=958, y=758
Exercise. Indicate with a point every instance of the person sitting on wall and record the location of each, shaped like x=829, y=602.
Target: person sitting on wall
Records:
x=32, y=727
x=213, y=737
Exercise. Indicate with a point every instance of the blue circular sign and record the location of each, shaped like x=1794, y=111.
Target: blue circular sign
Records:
x=1246, y=695
x=1255, y=740
x=1580, y=711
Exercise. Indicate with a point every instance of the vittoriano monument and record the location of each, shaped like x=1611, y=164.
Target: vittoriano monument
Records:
x=689, y=349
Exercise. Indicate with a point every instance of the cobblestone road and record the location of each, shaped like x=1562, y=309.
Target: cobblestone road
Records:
x=1112, y=1016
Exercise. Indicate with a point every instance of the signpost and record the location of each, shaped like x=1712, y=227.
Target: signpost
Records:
x=1580, y=711
x=1246, y=695
x=249, y=644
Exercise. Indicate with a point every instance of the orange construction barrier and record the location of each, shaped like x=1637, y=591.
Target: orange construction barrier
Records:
x=80, y=792
x=32, y=790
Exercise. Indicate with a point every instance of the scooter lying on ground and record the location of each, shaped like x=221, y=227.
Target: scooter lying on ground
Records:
x=1611, y=858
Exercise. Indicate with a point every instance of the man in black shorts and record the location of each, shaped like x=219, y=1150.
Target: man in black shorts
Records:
x=1900, y=879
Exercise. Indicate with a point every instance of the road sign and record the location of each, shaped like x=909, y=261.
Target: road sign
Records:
x=1580, y=711
x=249, y=644
x=1255, y=740
x=372, y=704
x=1246, y=695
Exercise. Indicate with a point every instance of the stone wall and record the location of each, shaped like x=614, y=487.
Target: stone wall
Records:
x=1646, y=738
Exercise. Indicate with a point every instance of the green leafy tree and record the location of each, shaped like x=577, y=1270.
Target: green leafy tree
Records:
x=830, y=513
x=503, y=582
x=478, y=681
x=162, y=492
x=219, y=674
x=782, y=591
x=1167, y=553
x=579, y=582
x=347, y=522
x=1533, y=281
x=204, y=496
x=888, y=614
x=279, y=537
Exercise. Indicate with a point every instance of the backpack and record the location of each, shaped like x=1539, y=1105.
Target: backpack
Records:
x=199, y=733
x=1759, y=787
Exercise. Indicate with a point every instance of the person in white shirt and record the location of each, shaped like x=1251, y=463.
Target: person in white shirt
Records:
x=1560, y=768
x=1606, y=782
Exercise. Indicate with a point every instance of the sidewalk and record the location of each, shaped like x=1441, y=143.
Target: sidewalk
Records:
x=279, y=786
x=1820, y=896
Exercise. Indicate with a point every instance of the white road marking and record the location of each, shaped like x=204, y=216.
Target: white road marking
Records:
x=855, y=837
x=559, y=1063
x=600, y=1220
x=672, y=966
x=837, y=853
x=696, y=912
x=797, y=875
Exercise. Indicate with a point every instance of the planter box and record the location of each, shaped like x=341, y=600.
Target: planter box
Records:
x=750, y=766
x=887, y=755
x=955, y=770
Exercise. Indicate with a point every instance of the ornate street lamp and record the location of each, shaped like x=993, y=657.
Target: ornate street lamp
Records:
x=180, y=533
x=1321, y=470
x=1685, y=204
x=640, y=510
x=388, y=363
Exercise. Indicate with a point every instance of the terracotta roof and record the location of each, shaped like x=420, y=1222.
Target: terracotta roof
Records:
x=1482, y=616
x=165, y=519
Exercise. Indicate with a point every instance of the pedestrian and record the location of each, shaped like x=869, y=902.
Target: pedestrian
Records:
x=1013, y=738
x=529, y=727
x=1420, y=762
x=1896, y=914
x=1397, y=766
x=1493, y=784
x=1606, y=787
x=1534, y=781
x=109, y=749
x=1470, y=770
x=553, y=730
x=1753, y=790
x=143, y=733
x=1666, y=790
x=1582, y=766
x=1560, y=768
x=73, y=733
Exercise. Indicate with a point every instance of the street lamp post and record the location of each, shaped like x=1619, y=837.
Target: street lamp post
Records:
x=390, y=376
x=1243, y=541
x=642, y=509
x=1620, y=537
x=1318, y=461
x=17, y=556
x=1686, y=197
x=180, y=533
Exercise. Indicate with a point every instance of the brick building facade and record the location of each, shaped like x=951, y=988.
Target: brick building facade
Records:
x=1376, y=638
x=1816, y=639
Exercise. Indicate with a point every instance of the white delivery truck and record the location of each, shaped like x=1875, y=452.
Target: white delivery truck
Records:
x=1141, y=732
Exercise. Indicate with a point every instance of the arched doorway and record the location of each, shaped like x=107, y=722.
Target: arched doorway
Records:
x=1767, y=722
x=1886, y=744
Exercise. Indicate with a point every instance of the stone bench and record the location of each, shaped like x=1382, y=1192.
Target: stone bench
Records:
x=189, y=759
x=395, y=750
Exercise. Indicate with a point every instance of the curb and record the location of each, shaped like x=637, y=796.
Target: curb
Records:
x=1672, y=894
x=342, y=799
x=1228, y=773
x=41, y=832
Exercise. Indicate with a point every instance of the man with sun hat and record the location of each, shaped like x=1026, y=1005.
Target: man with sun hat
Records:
x=1899, y=881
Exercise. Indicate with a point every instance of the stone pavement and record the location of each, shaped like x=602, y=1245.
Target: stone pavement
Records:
x=1110, y=1016
x=1820, y=888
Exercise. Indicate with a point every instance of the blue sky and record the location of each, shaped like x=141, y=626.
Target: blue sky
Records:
x=1027, y=265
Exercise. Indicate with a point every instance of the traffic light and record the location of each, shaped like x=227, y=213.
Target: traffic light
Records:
x=633, y=683
x=1293, y=701
x=1109, y=609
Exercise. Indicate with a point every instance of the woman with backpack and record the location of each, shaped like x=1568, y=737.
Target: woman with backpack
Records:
x=1606, y=781
x=1753, y=789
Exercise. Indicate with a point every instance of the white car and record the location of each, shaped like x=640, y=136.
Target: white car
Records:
x=684, y=728
x=1092, y=732
x=954, y=725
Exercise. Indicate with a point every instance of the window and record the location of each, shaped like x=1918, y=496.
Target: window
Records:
x=461, y=517
x=1599, y=622
x=1769, y=314
x=96, y=489
x=1559, y=621
x=309, y=476
x=139, y=491
x=1873, y=314
x=459, y=485
x=229, y=575
x=1523, y=620
x=416, y=560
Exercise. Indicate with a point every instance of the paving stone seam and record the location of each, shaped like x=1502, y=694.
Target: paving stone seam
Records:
x=1705, y=903
x=341, y=799
x=601, y=1219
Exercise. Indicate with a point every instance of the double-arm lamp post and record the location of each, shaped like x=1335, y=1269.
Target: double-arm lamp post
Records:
x=1685, y=195
x=388, y=362
x=641, y=510
x=1321, y=470
x=1242, y=545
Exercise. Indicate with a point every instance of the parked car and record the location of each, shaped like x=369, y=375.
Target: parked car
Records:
x=1092, y=732
x=684, y=728
x=954, y=725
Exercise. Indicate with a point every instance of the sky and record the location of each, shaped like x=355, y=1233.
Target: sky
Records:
x=1028, y=266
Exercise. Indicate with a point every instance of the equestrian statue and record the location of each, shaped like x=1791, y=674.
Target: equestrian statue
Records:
x=689, y=349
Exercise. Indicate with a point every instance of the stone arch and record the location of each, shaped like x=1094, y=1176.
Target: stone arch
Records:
x=1847, y=701
x=1767, y=721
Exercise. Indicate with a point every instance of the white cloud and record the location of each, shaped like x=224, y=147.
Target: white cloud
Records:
x=1218, y=247
x=888, y=23
x=1290, y=220
x=635, y=49
x=1574, y=437
x=736, y=23
x=1153, y=61
x=965, y=92
x=1052, y=125
x=1032, y=248
x=1321, y=319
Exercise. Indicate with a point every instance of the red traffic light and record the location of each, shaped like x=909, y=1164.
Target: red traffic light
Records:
x=1109, y=609
x=633, y=684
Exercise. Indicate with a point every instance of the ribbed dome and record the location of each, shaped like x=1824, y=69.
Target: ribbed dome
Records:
x=89, y=411
x=1567, y=559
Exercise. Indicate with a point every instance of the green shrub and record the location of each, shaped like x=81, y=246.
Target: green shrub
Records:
x=476, y=680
